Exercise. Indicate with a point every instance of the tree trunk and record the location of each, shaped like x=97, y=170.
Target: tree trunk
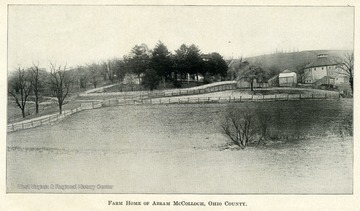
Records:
x=23, y=112
x=60, y=108
x=252, y=85
x=36, y=107
x=351, y=80
x=164, y=81
x=36, y=104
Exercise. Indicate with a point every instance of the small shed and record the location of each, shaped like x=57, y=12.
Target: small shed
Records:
x=287, y=78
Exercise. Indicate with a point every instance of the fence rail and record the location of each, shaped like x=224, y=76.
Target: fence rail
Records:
x=241, y=98
x=50, y=118
x=167, y=93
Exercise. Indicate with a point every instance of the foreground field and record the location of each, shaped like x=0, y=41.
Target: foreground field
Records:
x=179, y=149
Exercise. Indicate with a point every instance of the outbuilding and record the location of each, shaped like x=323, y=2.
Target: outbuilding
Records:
x=287, y=78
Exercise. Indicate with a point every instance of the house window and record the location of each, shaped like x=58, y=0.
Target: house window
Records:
x=322, y=68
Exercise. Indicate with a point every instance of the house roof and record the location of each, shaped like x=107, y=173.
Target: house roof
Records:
x=287, y=71
x=284, y=75
x=321, y=61
x=273, y=78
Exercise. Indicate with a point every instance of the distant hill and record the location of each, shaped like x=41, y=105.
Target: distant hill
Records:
x=277, y=62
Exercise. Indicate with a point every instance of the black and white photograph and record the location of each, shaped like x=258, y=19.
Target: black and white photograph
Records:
x=179, y=99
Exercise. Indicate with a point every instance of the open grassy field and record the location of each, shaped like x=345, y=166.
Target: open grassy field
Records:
x=179, y=149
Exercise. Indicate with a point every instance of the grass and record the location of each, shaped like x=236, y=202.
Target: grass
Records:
x=14, y=112
x=168, y=148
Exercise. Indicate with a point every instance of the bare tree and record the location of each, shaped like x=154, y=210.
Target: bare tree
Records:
x=345, y=66
x=20, y=87
x=38, y=84
x=239, y=126
x=61, y=83
x=245, y=125
x=108, y=70
x=94, y=73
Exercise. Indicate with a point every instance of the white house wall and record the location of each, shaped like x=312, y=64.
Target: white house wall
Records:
x=319, y=72
x=313, y=74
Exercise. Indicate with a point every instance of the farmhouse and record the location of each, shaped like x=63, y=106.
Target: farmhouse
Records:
x=323, y=71
x=287, y=78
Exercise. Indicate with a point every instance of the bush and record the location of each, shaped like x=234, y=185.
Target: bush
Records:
x=245, y=127
x=150, y=79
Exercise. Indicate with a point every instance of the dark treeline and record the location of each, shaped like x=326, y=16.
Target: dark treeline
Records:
x=151, y=67
x=141, y=67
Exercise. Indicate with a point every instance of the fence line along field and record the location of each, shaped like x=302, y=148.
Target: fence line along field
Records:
x=180, y=149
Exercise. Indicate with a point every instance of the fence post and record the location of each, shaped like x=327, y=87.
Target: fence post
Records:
x=275, y=97
x=325, y=95
x=312, y=96
x=252, y=97
x=299, y=96
x=263, y=97
x=240, y=98
x=179, y=101
x=22, y=125
x=208, y=99
x=13, y=128
x=188, y=99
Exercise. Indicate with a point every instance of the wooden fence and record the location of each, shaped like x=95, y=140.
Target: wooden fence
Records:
x=242, y=98
x=167, y=93
x=50, y=118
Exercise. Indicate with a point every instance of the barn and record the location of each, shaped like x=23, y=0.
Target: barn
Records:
x=287, y=78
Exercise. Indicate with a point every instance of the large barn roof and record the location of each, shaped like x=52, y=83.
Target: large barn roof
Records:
x=321, y=61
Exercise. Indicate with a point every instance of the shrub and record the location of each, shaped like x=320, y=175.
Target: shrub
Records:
x=245, y=126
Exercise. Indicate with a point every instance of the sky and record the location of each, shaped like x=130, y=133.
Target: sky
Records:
x=77, y=35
